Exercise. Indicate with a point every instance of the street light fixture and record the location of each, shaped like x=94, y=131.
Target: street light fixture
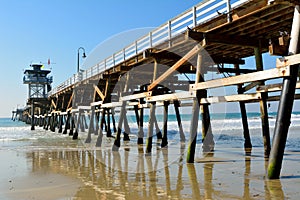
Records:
x=83, y=56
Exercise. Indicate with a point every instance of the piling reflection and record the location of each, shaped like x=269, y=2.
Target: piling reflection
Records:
x=105, y=174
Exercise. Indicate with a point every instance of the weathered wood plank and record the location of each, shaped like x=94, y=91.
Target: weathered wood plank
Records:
x=273, y=87
x=171, y=97
x=99, y=92
x=96, y=103
x=288, y=60
x=136, y=96
x=171, y=70
x=244, y=78
x=70, y=100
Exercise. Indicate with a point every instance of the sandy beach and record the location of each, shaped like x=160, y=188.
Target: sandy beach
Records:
x=65, y=169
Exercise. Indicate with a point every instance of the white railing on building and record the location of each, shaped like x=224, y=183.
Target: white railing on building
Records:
x=198, y=14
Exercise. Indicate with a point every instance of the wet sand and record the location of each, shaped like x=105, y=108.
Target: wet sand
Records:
x=52, y=170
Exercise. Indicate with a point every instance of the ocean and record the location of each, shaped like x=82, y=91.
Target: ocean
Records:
x=227, y=129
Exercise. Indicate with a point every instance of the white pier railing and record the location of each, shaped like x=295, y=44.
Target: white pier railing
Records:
x=198, y=14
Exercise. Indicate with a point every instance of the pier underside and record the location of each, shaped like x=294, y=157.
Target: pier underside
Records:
x=185, y=71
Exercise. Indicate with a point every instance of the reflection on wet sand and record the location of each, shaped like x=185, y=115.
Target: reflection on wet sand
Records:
x=106, y=175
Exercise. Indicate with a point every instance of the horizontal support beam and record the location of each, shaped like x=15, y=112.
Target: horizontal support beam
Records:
x=288, y=60
x=84, y=107
x=111, y=105
x=97, y=103
x=172, y=97
x=244, y=78
x=231, y=98
x=250, y=86
x=273, y=87
x=225, y=39
x=136, y=96
x=232, y=70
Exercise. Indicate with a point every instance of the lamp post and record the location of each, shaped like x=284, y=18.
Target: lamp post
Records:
x=83, y=56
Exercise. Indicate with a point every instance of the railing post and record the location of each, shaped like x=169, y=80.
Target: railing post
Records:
x=150, y=40
x=170, y=33
x=114, y=62
x=194, y=9
x=124, y=55
x=229, y=18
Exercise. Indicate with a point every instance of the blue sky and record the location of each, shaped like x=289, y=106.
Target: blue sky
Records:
x=35, y=30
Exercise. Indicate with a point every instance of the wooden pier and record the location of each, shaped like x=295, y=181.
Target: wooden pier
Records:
x=214, y=36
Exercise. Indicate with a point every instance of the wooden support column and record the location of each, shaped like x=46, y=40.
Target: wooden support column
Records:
x=55, y=121
x=100, y=135
x=164, y=141
x=178, y=117
x=52, y=123
x=263, y=106
x=85, y=123
x=247, y=142
x=60, y=123
x=285, y=105
x=157, y=129
x=207, y=136
x=45, y=121
x=67, y=123
x=81, y=118
x=117, y=142
x=195, y=115
x=91, y=126
x=126, y=129
x=72, y=124
x=150, y=128
x=77, y=122
x=48, y=122
x=141, y=126
x=136, y=112
x=32, y=116
x=108, y=131
x=113, y=119
x=97, y=116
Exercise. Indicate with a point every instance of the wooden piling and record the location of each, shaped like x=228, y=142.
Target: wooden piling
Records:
x=150, y=128
x=113, y=120
x=207, y=136
x=52, y=123
x=67, y=123
x=32, y=116
x=117, y=142
x=97, y=115
x=91, y=126
x=108, y=128
x=164, y=141
x=60, y=123
x=72, y=124
x=76, y=121
x=178, y=117
x=263, y=106
x=100, y=134
x=195, y=115
x=285, y=105
x=141, y=124
x=126, y=129
x=157, y=129
x=246, y=133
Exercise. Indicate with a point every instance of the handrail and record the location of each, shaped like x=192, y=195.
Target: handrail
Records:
x=198, y=14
